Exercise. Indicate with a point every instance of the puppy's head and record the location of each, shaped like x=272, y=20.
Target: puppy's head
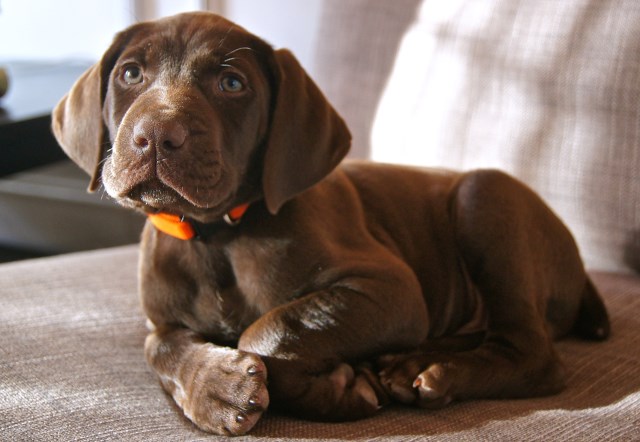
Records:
x=192, y=115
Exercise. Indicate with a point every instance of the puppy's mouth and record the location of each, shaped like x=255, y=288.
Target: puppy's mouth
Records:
x=153, y=187
x=154, y=197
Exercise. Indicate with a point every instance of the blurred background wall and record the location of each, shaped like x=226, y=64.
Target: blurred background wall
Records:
x=82, y=29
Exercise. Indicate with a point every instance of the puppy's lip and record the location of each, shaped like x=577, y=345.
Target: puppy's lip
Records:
x=154, y=197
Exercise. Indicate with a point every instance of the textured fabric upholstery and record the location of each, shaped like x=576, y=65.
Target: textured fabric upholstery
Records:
x=547, y=90
x=72, y=368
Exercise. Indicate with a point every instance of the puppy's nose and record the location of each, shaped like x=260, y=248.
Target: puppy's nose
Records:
x=159, y=134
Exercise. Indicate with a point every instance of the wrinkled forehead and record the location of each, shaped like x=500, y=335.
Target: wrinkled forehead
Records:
x=198, y=41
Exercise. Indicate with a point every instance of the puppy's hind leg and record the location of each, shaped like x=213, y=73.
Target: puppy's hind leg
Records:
x=515, y=357
x=519, y=256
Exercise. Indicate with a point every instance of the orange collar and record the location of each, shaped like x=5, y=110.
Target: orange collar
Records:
x=184, y=229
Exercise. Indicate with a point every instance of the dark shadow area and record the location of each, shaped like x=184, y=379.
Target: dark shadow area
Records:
x=632, y=251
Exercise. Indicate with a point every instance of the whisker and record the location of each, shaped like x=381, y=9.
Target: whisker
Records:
x=244, y=48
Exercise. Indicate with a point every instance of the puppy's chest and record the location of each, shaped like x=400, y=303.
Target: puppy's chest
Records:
x=240, y=286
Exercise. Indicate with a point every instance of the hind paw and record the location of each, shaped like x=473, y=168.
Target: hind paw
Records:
x=416, y=379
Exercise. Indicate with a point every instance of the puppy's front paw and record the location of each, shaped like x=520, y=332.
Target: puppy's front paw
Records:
x=417, y=379
x=223, y=390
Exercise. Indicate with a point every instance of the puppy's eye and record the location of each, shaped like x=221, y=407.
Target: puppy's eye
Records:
x=231, y=83
x=132, y=75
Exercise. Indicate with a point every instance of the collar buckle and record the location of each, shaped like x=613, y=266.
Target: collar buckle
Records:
x=233, y=217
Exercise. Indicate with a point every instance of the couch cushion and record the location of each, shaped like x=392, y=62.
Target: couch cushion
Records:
x=72, y=368
x=547, y=90
x=356, y=43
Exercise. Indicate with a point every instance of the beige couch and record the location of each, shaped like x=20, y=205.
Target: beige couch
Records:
x=547, y=90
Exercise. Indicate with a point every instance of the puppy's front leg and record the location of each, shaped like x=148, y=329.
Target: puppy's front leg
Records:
x=313, y=346
x=221, y=390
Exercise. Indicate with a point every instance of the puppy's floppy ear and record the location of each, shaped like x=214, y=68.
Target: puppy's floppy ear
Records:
x=77, y=124
x=307, y=137
x=77, y=120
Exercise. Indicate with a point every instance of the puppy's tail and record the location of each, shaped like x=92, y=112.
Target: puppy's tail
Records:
x=593, y=320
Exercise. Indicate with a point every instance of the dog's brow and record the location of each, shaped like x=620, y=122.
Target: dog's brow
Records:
x=205, y=62
x=223, y=39
x=137, y=53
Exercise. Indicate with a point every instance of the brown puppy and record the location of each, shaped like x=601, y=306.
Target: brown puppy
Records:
x=460, y=281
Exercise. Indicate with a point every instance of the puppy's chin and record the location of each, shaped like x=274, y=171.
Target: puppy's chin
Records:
x=150, y=198
x=154, y=197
